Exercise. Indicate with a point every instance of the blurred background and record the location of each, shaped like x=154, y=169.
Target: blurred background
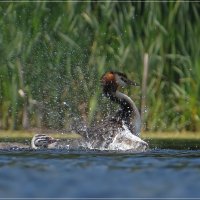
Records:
x=53, y=55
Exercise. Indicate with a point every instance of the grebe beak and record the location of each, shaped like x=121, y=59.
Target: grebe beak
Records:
x=133, y=83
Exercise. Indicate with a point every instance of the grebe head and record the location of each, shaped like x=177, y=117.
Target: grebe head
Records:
x=122, y=80
x=115, y=79
x=41, y=141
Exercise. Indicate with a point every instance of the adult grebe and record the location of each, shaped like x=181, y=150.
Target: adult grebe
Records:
x=42, y=141
x=120, y=131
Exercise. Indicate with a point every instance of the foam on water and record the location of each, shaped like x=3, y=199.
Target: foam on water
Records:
x=125, y=140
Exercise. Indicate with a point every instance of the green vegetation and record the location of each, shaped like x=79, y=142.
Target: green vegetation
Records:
x=53, y=54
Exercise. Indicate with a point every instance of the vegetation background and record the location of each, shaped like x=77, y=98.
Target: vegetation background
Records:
x=53, y=54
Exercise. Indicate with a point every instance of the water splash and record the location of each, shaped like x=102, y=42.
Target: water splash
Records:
x=124, y=140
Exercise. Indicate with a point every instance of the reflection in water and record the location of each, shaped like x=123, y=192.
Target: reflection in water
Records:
x=62, y=173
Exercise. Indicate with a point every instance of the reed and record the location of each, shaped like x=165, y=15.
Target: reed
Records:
x=53, y=55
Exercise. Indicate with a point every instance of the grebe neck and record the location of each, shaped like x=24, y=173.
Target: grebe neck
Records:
x=129, y=112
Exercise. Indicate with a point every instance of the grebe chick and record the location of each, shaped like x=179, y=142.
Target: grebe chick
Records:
x=42, y=141
x=111, y=131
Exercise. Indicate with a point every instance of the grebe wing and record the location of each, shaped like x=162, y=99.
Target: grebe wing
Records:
x=102, y=133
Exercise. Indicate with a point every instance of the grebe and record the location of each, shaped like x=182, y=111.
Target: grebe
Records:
x=42, y=141
x=121, y=131
x=118, y=132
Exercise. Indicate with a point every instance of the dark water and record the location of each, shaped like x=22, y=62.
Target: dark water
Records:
x=61, y=174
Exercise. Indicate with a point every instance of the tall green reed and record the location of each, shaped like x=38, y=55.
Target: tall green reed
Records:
x=53, y=55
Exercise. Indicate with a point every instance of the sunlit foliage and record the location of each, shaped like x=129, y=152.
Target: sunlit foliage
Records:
x=53, y=54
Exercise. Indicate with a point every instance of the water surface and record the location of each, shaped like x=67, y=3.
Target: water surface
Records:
x=89, y=174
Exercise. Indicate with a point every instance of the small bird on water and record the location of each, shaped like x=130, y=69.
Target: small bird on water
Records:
x=42, y=141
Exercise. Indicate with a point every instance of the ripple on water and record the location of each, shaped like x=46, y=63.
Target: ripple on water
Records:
x=78, y=173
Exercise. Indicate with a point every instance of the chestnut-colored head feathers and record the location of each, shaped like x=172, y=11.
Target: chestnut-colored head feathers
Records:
x=108, y=78
x=116, y=79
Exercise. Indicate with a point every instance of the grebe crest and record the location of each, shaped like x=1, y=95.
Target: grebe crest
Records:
x=111, y=80
x=42, y=141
